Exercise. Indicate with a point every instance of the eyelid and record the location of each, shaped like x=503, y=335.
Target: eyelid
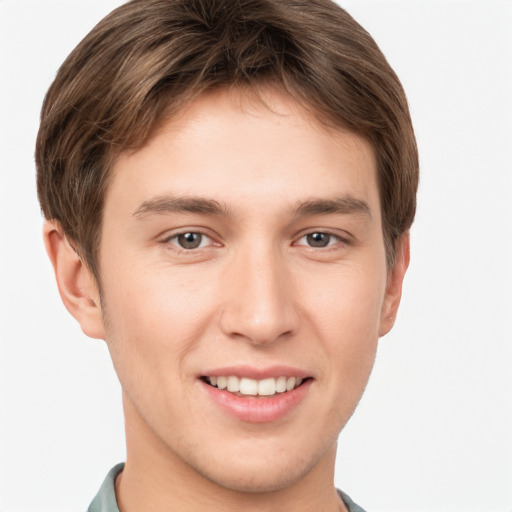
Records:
x=170, y=235
x=343, y=238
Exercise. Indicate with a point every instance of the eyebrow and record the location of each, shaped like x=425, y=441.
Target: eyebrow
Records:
x=166, y=204
x=171, y=204
x=343, y=205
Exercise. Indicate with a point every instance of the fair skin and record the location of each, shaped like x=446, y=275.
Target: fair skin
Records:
x=246, y=242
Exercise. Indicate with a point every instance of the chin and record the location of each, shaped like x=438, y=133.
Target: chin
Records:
x=256, y=479
x=263, y=471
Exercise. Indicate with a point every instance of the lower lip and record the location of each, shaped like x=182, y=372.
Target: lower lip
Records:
x=258, y=409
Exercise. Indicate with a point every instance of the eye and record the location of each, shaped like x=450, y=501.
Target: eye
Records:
x=319, y=239
x=190, y=240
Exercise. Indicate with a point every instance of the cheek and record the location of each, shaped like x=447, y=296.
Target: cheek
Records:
x=349, y=297
x=154, y=320
x=345, y=312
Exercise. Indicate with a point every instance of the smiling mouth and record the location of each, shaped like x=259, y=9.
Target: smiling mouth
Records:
x=251, y=387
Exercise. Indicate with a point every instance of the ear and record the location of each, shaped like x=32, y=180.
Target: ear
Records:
x=77, y=286
x=394, y=285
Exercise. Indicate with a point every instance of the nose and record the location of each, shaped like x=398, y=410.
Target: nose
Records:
x=260, y=299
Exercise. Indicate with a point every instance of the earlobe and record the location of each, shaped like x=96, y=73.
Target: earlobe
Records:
x=77, y=287
x=394, y=285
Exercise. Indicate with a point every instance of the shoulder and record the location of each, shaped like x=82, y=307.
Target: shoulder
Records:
x=351, y=506
x=105, y=500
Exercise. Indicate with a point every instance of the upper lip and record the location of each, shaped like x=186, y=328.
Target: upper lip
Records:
x=255, y=373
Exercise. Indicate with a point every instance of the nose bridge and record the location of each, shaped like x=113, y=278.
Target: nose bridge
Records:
x=260, y=305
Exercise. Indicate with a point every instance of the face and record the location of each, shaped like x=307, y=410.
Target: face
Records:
x=244, y=288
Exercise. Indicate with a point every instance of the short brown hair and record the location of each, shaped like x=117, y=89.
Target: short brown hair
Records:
x=148, y=58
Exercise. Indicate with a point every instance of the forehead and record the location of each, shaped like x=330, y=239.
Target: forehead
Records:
x=237, y=147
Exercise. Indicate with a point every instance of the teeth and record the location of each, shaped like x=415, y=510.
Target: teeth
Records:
x=281, y=384
x=233, y=384
x=267, y=387
x=252, y=387
x=248, y=386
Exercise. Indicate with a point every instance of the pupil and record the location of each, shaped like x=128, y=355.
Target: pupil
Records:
x=190, y=240
x=318, y=239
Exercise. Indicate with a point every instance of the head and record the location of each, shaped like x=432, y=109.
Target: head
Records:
x=229, y=187
x=148, y=59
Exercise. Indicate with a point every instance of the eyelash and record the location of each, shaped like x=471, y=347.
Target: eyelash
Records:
x=337, y=239
x=169, y=240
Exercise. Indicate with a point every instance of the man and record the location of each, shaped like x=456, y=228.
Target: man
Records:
x=228, y=188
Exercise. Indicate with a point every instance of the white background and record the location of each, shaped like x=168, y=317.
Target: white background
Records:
x=434, y=430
